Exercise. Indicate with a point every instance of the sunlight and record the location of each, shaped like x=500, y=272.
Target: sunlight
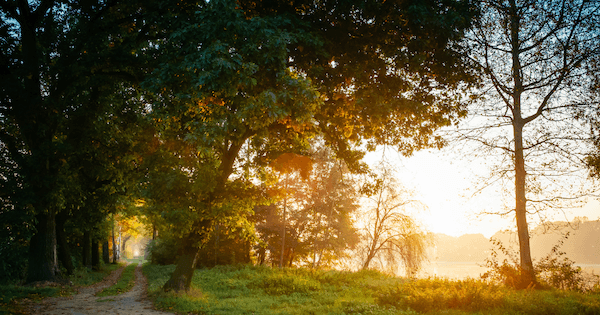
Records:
x=444, y=185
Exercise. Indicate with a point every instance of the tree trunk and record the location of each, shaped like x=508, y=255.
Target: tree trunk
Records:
x=105, y=252
x=124, y=242
x=95, y=254
x=283, y=230
x=181, y=279
x=114, y=247
x=86, y=255
x=528, y=276
x=64, y=253
x=43, y=261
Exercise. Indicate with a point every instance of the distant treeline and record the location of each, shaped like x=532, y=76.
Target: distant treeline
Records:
x=581, y=245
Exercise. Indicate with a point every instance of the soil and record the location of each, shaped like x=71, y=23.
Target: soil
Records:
x=85, y=302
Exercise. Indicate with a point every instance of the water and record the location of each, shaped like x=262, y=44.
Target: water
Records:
x=463, y=270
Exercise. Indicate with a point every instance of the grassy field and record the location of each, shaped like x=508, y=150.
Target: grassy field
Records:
x=263, y=290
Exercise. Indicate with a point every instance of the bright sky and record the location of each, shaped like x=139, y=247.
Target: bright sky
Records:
x=443, y=181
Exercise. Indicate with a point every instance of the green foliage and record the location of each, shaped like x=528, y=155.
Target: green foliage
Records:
x=163, y=251
x=125, y=283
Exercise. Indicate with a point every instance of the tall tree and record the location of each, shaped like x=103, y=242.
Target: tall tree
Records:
x=535, y=59
x=230, y=93
x=59, y=61
x=245, y=75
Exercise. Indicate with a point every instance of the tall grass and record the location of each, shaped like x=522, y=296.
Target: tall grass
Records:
x=263, y=290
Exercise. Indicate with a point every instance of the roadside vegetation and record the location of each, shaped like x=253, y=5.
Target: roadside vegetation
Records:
x=247, y=289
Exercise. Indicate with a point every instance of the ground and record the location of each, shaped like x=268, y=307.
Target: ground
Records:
x=85, y=302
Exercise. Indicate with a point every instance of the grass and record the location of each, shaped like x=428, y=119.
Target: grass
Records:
x=10, y=295
x=263, y=290
x=125, y=283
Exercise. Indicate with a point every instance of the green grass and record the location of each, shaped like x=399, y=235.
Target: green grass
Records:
x=84, y=277
x=263, y=290
x=125, y=283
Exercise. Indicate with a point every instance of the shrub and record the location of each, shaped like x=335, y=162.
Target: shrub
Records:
x=163, y=251
x=555, y=270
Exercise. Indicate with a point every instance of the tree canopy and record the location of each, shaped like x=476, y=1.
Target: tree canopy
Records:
x=187, y=103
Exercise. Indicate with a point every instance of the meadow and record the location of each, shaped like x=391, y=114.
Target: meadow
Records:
x=263, y=290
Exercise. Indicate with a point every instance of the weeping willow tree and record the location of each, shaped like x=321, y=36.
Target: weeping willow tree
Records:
x=391, y=235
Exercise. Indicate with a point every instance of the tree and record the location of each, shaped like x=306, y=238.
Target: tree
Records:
x=60, y=63
x=231, y=93
x=389, y=231
x=242, y=83
x=535, y=59
x=311, y=222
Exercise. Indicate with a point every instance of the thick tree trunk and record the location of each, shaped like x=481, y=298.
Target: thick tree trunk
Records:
x=95, y=254
x=86, y=253
x=181, y=279
x=64, y=253
x=105, y=252
x=43, y=260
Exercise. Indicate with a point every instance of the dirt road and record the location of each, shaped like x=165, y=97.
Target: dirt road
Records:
x=130, y=303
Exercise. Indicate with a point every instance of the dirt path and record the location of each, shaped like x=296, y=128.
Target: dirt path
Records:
x=130, y=303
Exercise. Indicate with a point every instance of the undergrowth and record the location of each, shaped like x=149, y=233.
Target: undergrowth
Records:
x=555, y=270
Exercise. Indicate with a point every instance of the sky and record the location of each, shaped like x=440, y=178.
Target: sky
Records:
x=443, y=181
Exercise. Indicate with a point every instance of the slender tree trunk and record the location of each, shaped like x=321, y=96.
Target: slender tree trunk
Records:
x=283, y=229
x=95, y=254
x=105, y=252
x=86, y=257
x=521, y=210
x=114, y=246
x=528, y=276
x=43, y=260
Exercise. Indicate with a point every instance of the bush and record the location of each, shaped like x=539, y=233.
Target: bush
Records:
x=162, y=251
x=555, y=270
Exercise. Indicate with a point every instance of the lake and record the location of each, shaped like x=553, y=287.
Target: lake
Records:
x=463, y=270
